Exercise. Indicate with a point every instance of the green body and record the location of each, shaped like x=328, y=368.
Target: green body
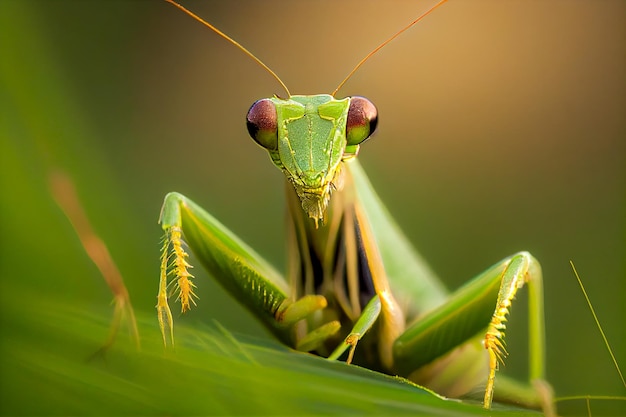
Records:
x=346, y=251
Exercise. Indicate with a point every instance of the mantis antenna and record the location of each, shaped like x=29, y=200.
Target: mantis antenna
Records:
x=231, y=40
x=258, y=61
x=379, y=47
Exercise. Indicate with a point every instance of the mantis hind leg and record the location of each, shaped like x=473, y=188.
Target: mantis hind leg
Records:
x=475, y=314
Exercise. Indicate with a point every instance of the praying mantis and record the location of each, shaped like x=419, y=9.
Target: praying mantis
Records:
x=296, y=309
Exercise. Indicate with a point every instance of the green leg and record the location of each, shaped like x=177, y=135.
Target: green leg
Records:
x=522, y=268
x=241, y=271
x=481, y=304
x=366, y=320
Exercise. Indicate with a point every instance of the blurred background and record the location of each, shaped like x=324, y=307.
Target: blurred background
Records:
x=502, y=128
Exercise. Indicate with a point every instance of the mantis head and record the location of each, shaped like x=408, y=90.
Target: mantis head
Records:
x=308, y=137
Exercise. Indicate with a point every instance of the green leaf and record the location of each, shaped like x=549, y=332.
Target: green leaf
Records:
x=53, y=352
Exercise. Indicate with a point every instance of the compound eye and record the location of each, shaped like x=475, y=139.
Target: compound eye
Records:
x=362, y=120
x=262, y=124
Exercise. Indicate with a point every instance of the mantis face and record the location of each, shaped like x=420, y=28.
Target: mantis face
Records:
x=308, y=137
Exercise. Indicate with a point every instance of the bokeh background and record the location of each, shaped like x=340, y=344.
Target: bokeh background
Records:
x=502, y=128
